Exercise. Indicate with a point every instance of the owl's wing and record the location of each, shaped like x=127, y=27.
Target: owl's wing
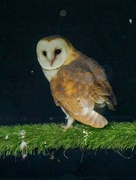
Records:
x=77, y=91
x=100, y=77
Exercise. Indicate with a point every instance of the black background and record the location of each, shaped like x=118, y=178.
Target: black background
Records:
x=100, y=29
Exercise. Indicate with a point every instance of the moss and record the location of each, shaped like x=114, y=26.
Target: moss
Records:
x=40, y=137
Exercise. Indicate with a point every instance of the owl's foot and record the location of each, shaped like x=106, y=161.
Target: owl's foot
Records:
x=70, y=121
x=65, y=127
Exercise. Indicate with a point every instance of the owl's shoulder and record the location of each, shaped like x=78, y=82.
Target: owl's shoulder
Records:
x=82, y=64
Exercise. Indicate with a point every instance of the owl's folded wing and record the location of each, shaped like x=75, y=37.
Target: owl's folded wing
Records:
x=101, y=78
x=78, y=98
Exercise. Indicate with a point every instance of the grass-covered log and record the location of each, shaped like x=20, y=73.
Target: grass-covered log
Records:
x=37, y=138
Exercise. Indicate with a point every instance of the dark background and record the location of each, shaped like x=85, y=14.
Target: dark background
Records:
x=103, y=30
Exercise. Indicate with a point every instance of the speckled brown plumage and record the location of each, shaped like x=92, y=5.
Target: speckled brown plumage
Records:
x=82, y=83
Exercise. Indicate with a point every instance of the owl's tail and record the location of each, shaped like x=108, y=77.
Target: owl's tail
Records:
x=93, y=119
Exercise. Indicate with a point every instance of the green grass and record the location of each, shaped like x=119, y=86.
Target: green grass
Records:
x=37, y=138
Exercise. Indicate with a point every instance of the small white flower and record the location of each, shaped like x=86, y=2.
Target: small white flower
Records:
x=85, y=132
x=24, y=156
x=22, y=134
x=23, y=145
x=85, y=136
x=6, y=137
x=45, y=142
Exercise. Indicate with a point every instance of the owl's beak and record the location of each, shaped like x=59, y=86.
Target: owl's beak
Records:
x=52, y=61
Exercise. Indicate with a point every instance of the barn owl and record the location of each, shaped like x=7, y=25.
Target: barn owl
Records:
x=78, y=83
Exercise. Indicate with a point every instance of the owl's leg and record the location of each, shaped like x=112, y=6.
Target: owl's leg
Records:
x=69, y=119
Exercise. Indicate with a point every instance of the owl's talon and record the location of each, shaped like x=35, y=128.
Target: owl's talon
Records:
x=65, y=127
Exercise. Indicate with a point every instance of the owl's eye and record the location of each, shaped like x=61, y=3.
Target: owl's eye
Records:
x=57, y=51
x=44, y=53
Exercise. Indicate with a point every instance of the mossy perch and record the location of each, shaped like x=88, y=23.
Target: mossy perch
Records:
x=37, y=138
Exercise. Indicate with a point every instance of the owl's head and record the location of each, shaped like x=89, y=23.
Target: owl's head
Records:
x=52, y=52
